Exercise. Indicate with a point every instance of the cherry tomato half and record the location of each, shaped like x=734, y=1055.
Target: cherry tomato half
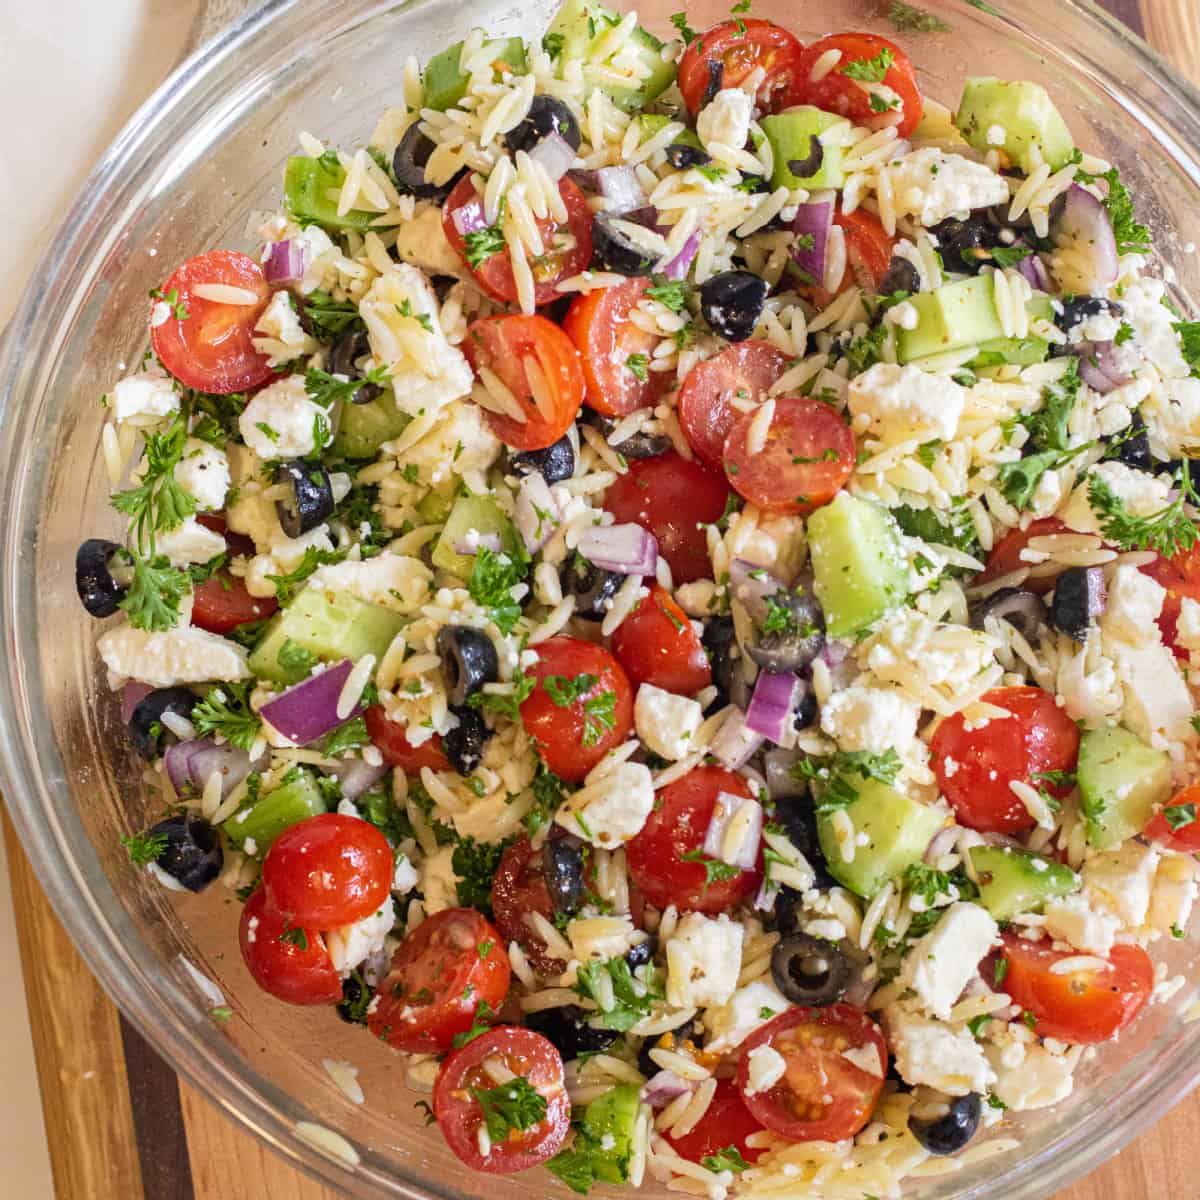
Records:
x=574, y=726
x=975, y=766
x=1005, y=556
x=808, y=457
x=440, y=974
x=211, y=348
x=868, y=256
x=838, y=92
x=673, y=499
x=1185, y=835
x=615, y=352
x=221, y=603
x=726, y=1123
x=288, y=962
x=539, y=364
x=520, y=888
x=823, y=1096
x=568, y=246
x=657, y=644
x=328, y=871
x=730, y=51
x=1180, y=575
x=389, y=737
x=706, y=412
x=667, y=859
x=1082, y=1007
x=528, y=1056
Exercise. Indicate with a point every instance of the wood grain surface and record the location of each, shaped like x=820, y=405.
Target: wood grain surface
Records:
x=122, y=1127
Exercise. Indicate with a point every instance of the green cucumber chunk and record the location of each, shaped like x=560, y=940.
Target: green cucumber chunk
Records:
x=287, y=805
x=471, y=513
x=1014, y=881
x=952, y=317
x=309, y=188
x=1121, y=779
x=435, y=508
x=859, y=570
x=791, y=133
x=331, y=625
x=612, y=1115
x=1026, y=115
x=1020, y=352
x=898, y=831
x=653, y=123
x=446, y=85
x=363, y=428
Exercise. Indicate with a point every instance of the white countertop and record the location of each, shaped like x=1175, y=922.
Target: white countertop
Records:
x=71, y=72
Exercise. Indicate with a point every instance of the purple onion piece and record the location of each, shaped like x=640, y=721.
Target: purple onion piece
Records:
x=735, y=745
x=677, y=269
x=1098, y=366
x=1034, y=272
x=625, y=549
x=555, y=154
x=1084, y=227
x=309, y=710
x=131, y=696
x=283, y=262
x=537, y=514
x=726, y=807
x=357, y=776
x=470, y=218
x=779, y=764
x=812, y=220
x=661, y=1089
x=771, y=707
x=178, y=761
x=751, y=584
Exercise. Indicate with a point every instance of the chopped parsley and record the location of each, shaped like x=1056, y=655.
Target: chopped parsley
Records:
x=295, y=659
x=475, y=864
x=564, y=692
x=549, y=792
x=295, y=936
x=686, y=32
x=729, y=1159
x=144, y=848
x=493, y=578
x=715, y=871
x=908, y=16
x=1008, y=256
x=348, y=736
x=158, y=503
x=870, y=70
x=479, y=1025
x=632, y=999
x=225, y=710
x=670, y=293
x=483, y=243
x=326, y=389
x=1168, y=531
x=511, y=1107
x=1000, y=971
x=172, y=301
x=423, y=319
x=313, y=558
x=1189, y=341
x=329, y=318
x=1132, y=236
x=1180, y=816
x=637, y=366
x=155, y=593
x=506, y=706
x=837, y=775
x=978, y=1024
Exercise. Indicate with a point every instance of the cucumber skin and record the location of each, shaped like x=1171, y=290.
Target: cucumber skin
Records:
x=1018, y=884
x=1108, y=758
x=613, y=1114
x=446, y=85
x=480, y=514
x=305, y=184
x=274, y=812
x=363, y=428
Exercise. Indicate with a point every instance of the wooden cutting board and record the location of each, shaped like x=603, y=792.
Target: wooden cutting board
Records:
x=121, y=1126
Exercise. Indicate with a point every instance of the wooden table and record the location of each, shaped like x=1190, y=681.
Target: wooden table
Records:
x=122, y=1126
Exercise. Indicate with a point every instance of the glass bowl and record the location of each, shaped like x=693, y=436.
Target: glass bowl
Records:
x=185, y=175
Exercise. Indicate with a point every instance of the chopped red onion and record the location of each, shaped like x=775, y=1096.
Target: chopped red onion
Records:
x=764, y=901
x=470, y=218
x=357, y=776
x=621, y=189
x=309, y=710
x=659, y=1090
x=1084, y=227
x=736, y=744
x=1035, y=274
x=537, y=513
x=750, y=585
x=624, y=549
x=726, y=807
x=812, y=220
x=132, y=695
x=833, y=654
x=779, y=764
x=178, y=762
x=194, y=762
x=555, y=154
x=474, y=541
x=283, y=262
x=1098, y=366
x=679, y=266
x=771, y=707
x=942, y=843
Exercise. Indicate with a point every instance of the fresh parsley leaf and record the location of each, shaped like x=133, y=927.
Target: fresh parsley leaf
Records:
x=158, y=503
x=713, y=174
x=715, y=871
x=978, y=1024
x=686, y=32
x=576, y=1167
x=1019, y=480
x=483, y=243
x=479, y=1025
x=869, y=70
x=511, y=1107
x=549, y=793
x=993, y=1100
x=638, y=367
x=599, y=715
x=1180, y=816
x=631, y=1001
x=202, y=572
x=295, y=659
x=1189, y=341
x=144, y=848
x=506, y=706
x=1000, y=971
x=1168, y=531
x=313, y=558
x=1048, y=426
x=945, y=527
x=564, y=692
x=1132, y=236
x=1009, y=256
x=348, y=736
x=328, y=318
x=882, y=104
x=326, y=389
x=867, y=350
x=492, y=579
x=553, y=44
x=296, y=936
x=475, y=864
x=171, y=300
x=154, y=595
x=422, y=319
x=729, y=1159
x=670, y=293
x=225, y=710
x=837, y=775
x=927, y=883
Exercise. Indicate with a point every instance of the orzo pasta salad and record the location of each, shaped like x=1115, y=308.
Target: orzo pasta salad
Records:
x=667, y=584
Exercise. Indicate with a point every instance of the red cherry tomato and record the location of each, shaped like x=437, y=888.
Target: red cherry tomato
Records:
x=808, y=457
x=868, y=256
x=730, y=51
x=837, y=92
x=975, y=766
x=389, y=737
x=657, y=644
x=221, y=603
x=520, y=888
x=1185, y=836
x=528, y=1056
x=1082, y=1007
x=440, y=974
x=673, y=499
x=211, y=348
x=521, y=350
x=328, y=871
x=667, y=860
x=573, y=735
x=1180, y=575
x=1005, y=556
x=608, y=341
x=823, y=1096
x=726, y=1122
x=706, y=410
x=568, y=246
x=288, y=962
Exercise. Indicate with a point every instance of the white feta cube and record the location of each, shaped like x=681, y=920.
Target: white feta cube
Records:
x=184, y=654
x=1154, y=324
x=1187, y=629
x=899, y=403
x=190, y=543
x=1074, y=921
x=666, y=722
x=1039, y=1080
x=1134, y=603
x=280, y=421
x=1121, y=881
x=766, y=1068
x=1157, y=703
x=611, y=810
x=404, y=877
x=422, y=242
x=394, y=581
x=349, y=945
x=595, y=938
x=704, y=958
x=203, y=471
x=939, y=966
x=725, y=119
x=749, y=1007
x=874, y=719
x=148, y=393
x=866, y=1058
x=283, y=555
x=931, y=185
x=1172, y=418
x=936, y=1055
x=1142, y=495
x=1174, y=893
x=279, y=334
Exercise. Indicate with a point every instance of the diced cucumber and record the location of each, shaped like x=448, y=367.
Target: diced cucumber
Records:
x=331, y=625
x=363, y=428
x=471, y=513
x=264, y=820
x=859, y=570
x=310, y=187
x=950, y=318
x=1026, y=115
x=1014, y=881
x=1121, y=779
x=446, y=85
x=435, y=508
x=653, y=123
x=791, y=134
x=608, y=1123
x=898, y=831
x=1020, y=352
x=578, y=24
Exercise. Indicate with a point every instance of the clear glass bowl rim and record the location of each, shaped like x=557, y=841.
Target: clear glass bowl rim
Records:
x=66, y=864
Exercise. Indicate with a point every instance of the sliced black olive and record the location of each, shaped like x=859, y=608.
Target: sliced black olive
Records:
x=798, y=817
x=805, y=713
x=961, y=243
x=590, y=585
x=719, y=643
x=683, y=1037
x=562, y=869
x=554, y=464
x=1079, y=598
x=192, y=855
x=681, y=156
x=146, y=730
x=356, y=998
x=810, y=164
x=408, y=166
x=546, y=116
x=732, y=302
x=469, y=660
x=639, y=445
x=798, y=626
x=99, y=592
x=311, y=496
x=1024, y=611
x=809, y=971
x=568, y=1031
x=614, y=251
x=716, y=77
x=901, y=276
x=346, y=352
x=1078, y=308
x=1171, y=467
x=464, y=744
x=642, y=953
x=1134, y=448
x=948, y=1134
